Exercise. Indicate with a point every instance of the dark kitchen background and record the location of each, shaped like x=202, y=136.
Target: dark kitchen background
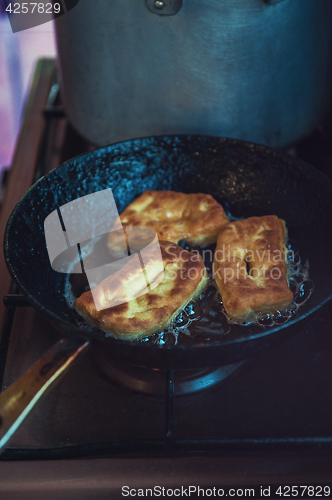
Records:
x=19, y=53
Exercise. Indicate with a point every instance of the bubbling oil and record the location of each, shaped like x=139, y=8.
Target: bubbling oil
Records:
x=205, y=318
x=299, y=283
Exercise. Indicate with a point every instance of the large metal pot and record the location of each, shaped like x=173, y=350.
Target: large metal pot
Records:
x=257, y=70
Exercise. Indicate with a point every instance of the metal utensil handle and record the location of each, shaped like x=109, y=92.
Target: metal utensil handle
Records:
x=20, y=398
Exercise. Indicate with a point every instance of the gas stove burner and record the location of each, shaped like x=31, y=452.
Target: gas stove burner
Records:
x=153, y=381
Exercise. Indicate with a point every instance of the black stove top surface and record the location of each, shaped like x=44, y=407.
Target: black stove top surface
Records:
x=279, y=400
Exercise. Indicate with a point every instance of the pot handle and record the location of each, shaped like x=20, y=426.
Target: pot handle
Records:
x=164, y=7
x=20, y=398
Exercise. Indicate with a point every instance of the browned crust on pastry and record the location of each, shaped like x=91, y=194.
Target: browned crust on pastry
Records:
x=196, y=218
x=184, y=278
x=260, y=243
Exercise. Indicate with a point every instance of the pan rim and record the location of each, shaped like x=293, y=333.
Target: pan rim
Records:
x=75, y=330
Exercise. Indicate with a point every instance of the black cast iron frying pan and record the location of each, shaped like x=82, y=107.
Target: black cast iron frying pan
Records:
x=246, y=178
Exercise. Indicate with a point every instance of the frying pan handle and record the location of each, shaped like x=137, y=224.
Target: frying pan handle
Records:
x=19, y=399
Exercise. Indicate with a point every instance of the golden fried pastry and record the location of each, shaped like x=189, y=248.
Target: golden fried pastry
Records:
x=196, y=218
x=250, y=267
x=183, y=279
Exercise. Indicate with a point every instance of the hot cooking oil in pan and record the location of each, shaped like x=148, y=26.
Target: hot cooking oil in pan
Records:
x=204, y=319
